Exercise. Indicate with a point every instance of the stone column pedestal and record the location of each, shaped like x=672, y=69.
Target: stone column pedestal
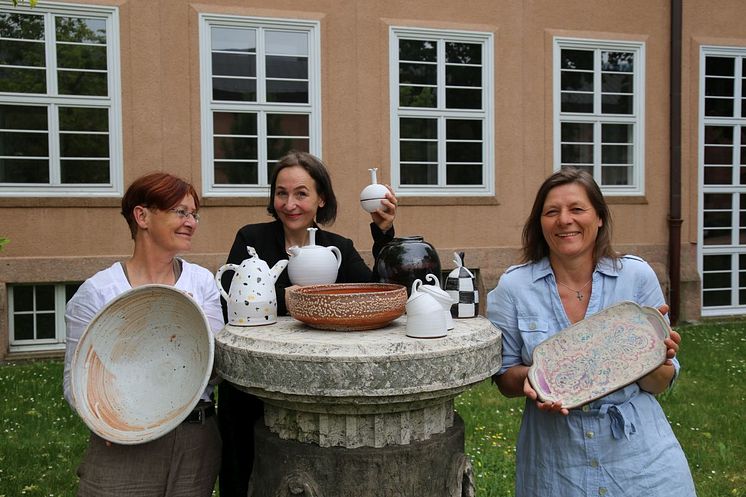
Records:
x=355, y=400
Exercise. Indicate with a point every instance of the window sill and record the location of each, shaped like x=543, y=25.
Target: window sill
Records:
x=60, y=201
x=454, y=200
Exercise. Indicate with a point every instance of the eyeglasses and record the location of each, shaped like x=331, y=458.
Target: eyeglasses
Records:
x=183, y=214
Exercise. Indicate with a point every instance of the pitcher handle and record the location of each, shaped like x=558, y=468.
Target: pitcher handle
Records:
x=226, y=267
x=337, y=254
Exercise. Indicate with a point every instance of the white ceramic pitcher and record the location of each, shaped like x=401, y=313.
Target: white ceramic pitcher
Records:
x=313, y=264
x=425, y=318
x=252, y=300
x=443, y=298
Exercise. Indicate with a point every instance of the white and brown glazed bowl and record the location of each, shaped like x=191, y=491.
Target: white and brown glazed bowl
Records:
x=346, y=306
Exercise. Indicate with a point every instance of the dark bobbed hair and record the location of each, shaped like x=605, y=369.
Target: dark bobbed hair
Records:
x=535, y=247
x=320, y=175
x=158, y=190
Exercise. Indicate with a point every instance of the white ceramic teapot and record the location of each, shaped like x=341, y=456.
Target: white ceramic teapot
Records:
x=425, y=317
x=313, y=264
x=443, y=298
x=252, y=300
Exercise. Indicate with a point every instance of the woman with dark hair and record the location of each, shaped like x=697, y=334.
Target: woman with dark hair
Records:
x=621, y=444
x=161, y=211
x=301, y=196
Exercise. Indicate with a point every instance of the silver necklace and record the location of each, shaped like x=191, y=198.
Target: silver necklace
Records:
x=578, y=293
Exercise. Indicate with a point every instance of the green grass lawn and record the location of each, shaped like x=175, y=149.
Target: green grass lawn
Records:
x=41, y=441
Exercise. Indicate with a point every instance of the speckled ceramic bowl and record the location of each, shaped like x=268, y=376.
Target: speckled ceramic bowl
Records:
x=347, y=306
x=142, y=364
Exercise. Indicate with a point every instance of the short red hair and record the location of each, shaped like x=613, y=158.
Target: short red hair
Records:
x=161, y=191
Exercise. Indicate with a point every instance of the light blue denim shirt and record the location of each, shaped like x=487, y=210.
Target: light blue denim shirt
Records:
x=619, y=445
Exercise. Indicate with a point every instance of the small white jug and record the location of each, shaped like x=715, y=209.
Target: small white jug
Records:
x=313, y=264
x=443, y=298
x=425, y=318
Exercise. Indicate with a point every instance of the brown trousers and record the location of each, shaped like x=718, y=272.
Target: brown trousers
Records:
x=182, y=463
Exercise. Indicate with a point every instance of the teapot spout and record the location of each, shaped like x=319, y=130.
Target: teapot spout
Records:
x=278, y=268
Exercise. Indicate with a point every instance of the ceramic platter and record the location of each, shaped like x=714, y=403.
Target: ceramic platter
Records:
x=599, y=354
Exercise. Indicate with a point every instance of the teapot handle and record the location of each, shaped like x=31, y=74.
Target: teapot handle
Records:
x=227, y=267
x=416, y=284
x=337, y=254
x=433, y=278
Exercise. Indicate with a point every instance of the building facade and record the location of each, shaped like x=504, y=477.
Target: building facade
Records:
x=464, y=108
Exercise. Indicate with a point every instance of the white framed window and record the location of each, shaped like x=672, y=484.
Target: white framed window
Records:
x=442, y=106
x=261, y=97
x=36, y=314
x=722, y=173
x=599, y=106
x=60, y=114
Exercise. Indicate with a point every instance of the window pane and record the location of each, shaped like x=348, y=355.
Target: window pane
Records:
x=82, y=83
x=235, y=148
x=80, y=145
x=286, y=43
x=463, y=174
x=234, y=123
x=45, y=326
x=717, y=220
x=719, y=87
x=717, y=237
x=463, y=99
x=277, y=147
x=588, y=169
x=616, y=175
x=416, y=96
x=287, y=67
x=411, y=73
x=21, y=26
x=577, y=81
x=78, y=29
x=418, y=128
x=81, y=57
x=718, y=175
x=717, y=201
x=233, y=39
x=716, y=262
x=22, y=53
x=616, y=154
x=23, y=80
x=577, y=154
x=720, y=66
x=231, y=64
x=577, y=59
x=718, y=155
x=463, y=76
x=23, y=325
x=24, y=144
x=234, y=89
x=287, y=124
x=577, y=132
x=716, y=280
x=463, y=53
x=577, y=102
x=236, y=173
x=718, y=107
x=617, y=83
x=24, y=171
x=287, y=91
x=414, y=151
x=720, y=297
x=462, y=129
x=719, y=135
x=617, y=61
x=23, y=298
x=419, y=174
x=44, y=297
x=83, y=119
x=617, y=104
x=417, y=50
x=616, y=133
x=70, y=290
x=76, y=172
x=23, y=117
x=463, y=152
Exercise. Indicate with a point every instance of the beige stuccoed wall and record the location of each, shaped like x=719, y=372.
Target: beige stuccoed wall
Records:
x=68, y=239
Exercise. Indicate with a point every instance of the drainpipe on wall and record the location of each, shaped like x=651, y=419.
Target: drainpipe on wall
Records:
x=674, y=215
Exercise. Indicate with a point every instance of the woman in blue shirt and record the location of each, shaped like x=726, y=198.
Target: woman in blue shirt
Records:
x=621, y=444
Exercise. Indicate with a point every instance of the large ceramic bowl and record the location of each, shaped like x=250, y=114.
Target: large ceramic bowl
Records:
x=347, y=306
x=142, y=364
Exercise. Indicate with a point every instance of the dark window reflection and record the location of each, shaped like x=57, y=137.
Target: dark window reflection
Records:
x=464, y=174
x=419, y=174
x=24, y=171
x=236, y=173
x=85, y=171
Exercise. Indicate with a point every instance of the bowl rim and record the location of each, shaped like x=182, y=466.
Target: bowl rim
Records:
x=314, y=289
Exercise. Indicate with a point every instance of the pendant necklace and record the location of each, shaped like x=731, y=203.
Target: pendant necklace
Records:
x=578, y=293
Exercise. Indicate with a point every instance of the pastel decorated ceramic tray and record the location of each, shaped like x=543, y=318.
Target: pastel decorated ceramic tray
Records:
x=599, y=354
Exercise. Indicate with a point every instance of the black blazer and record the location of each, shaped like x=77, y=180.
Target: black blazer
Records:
x=268, y=239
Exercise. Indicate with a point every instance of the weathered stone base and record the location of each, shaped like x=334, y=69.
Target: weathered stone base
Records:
x=436, y=467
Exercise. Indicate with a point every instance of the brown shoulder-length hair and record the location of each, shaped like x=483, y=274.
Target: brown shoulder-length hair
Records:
x=535, y=247
x=320, y=175
x=159, y=190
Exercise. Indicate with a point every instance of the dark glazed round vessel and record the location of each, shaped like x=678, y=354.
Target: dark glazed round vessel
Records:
x=406, y=259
